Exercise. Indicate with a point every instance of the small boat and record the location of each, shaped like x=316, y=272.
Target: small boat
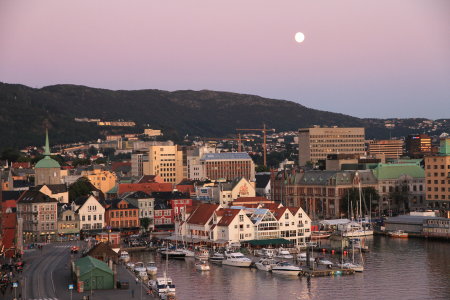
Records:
x=173, y=253
x=325, y=262
x=162, y=286
x=124, y=256
x=202, y=266
x=151, y=268
x=285, y=268
x=265, y=264
x=140, y=267
x=142, y=275
x=130, y=265
x=202, y=254
x=398, y=234
x=189, y=253
x=264, y=252
x=236, y=259
x=217, y=258
x=352, y=266
x=282, y=253
x=317, y=235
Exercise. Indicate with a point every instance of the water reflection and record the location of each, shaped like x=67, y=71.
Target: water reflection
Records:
x=394, y=269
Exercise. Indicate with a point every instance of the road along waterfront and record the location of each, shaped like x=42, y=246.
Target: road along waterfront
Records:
x=394, y=269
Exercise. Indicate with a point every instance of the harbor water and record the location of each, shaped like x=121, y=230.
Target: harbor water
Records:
x=394, y=269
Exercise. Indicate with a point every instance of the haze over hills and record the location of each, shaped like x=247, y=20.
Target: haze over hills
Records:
x=25, y=111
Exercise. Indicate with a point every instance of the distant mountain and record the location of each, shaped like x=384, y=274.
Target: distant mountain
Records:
x=25, y=111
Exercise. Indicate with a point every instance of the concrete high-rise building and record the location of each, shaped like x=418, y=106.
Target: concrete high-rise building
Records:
x=137, y=163
x=228, y=166
x=437, y=176
x=318, y=142
x=194, y=166
x=387, y=148
x=417, y=145
x=165, y=160
x=47, y=170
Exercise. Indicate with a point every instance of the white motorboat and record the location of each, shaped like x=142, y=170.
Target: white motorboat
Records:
x=264, y=252
x=189, y=253
x=124, y=256
x=285, y=268
x=265, y=264
x=202, y=254
x=202, y=266
x=325, y=262
x=282, y=253
x=140, y=267
x=151, y=268
x=236, y=259
x=175, y=253
x=302, y=257
x=217, y=258
x=162, y=286
x=130, y=265
x=142, y=275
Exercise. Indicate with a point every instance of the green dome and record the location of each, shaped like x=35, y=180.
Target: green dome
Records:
x=47, y=162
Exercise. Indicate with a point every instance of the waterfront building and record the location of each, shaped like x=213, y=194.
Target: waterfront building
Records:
x=437, y=176
x=47, y=170
x=437, y=228
x=401, y=186
x=91, y=212
x=102, y=179
x=228, y=166
x=146, y=205
x=231, y=226
x=87, y=268
x=119, y=214
x=417, y=145
x=295, y=224
x=39, y=216
x=68, y=222
x=318, y=142
x=389, y=149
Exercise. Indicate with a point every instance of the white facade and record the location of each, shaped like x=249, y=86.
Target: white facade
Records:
x=92, y=214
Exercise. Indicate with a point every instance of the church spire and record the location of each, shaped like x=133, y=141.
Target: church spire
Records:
x=47, y=144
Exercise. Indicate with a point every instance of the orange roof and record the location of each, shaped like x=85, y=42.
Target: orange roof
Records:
x=144, y=187
x=228, y=216
x=293, y=210
x=279, y=212
x=202, y=214
x=272, y=206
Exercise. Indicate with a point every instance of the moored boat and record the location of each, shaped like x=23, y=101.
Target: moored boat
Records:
x=151, y=268
x=398, y=234
x=173, y=253
x=265, y=264
x=202, y=254
x=285, y=254
x=124, y=256
x=140, y=267
x=285, y=268
x=202, y=266
x=236, y=259
x=217, y=258
x=162, y=286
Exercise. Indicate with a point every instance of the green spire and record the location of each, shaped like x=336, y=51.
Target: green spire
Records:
x=47, y=145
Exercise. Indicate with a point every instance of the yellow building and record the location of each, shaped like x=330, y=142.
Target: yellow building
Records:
x=103, y=180
x=437, y=176
x=165, y=160
x=318, y=142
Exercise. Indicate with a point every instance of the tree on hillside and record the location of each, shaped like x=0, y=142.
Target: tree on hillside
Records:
x=350, y=200
x=81, y=187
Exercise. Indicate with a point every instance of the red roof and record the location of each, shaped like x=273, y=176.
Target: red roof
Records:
x=272, y=206
x=151, y=179
x=228, y=216
x=202, y=214
x=293, y=210
x=8, y=204
x=117, y=164
x=185, y=188
x=253, y=199
x=279, y=212
x=21, y=165
x=9, y=221
x=144, y=187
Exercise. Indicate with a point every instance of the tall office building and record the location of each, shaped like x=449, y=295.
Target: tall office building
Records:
x=417, y=145
x=437, y=176
x=165, y=160
x=318, y=142
x=388, y=148
x=228, y=166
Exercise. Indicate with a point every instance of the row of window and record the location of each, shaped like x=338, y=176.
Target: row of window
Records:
x=92, y=217
x=442, y=167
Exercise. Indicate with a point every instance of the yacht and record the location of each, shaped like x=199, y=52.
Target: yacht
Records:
x=151, y=268
x=325, y=262
x=217, y=258
x=264, y=252
x=285, y=268
x=130, y=265
x=398, y=234
x=353, y=266
x=189, y=253
x=124, y=256
x=265, y=264
x=162, y=286
x=173, y=253
x=302, y=257
x=236, y=259
x=140, y=267
x=282, y=253
x=202, y=266
x=202, y=254
x=142, y=275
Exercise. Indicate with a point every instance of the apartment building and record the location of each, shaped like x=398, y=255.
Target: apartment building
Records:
x=437, y=176
x=102, y=179
x=165, y=160
x=318, y=142
x=417, y=145
x=90, y=211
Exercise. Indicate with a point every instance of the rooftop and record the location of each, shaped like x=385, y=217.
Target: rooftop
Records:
x=226, y=156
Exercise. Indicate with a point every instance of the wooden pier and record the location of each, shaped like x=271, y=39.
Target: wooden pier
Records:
x=326, y=272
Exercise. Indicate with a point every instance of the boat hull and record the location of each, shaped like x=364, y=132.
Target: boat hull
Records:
x=286, y=272
x=242, y=264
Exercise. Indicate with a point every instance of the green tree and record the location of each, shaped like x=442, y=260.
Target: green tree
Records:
x=92, y=151
x=81, y=187
x=350, y=200
x=145, y=223
x=80, y=162
x=100, y=160
x=10, y=154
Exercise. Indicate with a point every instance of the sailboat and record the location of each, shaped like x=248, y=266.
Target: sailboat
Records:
x=163, y=286
x=357, y=267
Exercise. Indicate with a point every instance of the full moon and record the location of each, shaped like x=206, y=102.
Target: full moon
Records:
x=299, y=37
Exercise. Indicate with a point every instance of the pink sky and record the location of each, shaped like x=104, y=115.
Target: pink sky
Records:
x=378, y=58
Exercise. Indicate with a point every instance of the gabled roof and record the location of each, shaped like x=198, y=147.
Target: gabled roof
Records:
x=113, y=204
x=144, y=187
x=262, y=181
x=294, y=210
x=137, y=195
x=54, y=188
x=35, y=197
x=279, y=212
x=150, y=179
x=202, y=214
x=228, y=216
x=88, y=263
x=102, y=248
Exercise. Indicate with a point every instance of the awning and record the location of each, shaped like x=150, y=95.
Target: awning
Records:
x=268, y=242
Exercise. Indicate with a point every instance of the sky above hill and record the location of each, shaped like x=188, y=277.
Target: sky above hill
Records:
x=372, y=58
